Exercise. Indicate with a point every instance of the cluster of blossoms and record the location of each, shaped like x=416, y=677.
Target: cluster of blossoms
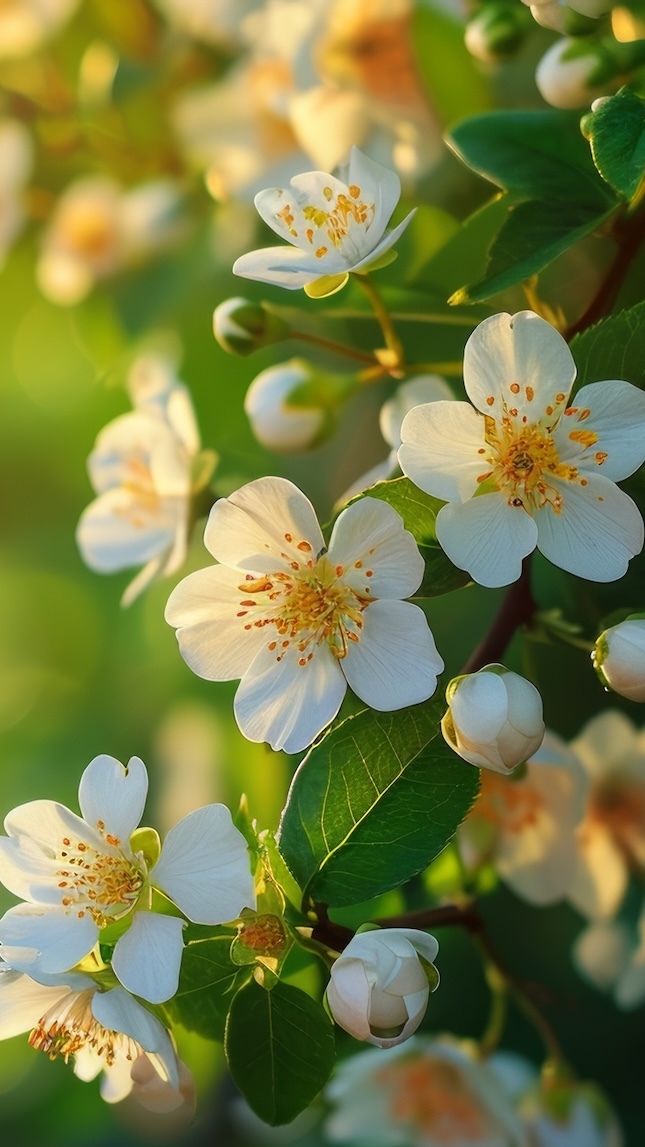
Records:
x=77, y=877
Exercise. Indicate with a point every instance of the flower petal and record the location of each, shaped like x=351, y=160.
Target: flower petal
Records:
x=112, y=796
x=117, y=1011
x=205, y=607
x=605, y=425
x=522, y=351
x=395, y=663
x=30, y=858
x=596, y=533
x=280, y=266
x=288, y=704
x=384, y=244
x=487, y=537
x=417, y=391
x=121, y=529
x=23, y=1001
x=348, y=996
x=374, y=180
x=123, y=446
x=370, y=535
x=601, y=876
x=204, y=867
x=282, y=209
x=261, y=526
x=442, y=449
x=60, y=938
x=146, y=958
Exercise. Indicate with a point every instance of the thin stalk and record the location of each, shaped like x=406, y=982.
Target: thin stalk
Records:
x=337, y=348
x=392, y=340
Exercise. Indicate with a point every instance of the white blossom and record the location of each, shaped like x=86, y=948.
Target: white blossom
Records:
x=103, y=1031
x=335, y=226
x=525, y=468
x=378, y=989
x=142, y=471
x=612, y=956
x=298, y=622
x=494, y=718
x=78, y=874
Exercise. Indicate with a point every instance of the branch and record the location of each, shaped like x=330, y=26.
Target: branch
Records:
x=516, y=609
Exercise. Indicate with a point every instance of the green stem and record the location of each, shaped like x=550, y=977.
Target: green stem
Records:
x=337, y=348
x=392, y=340
x=492, y=1036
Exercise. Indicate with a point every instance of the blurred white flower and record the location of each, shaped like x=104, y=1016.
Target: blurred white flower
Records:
x=378, y=989
x=335, y=226
x=424, y=1093
x=16, y=161
x=143, y=468
x=612, y=833
x=276, y=423
x=526, y=826
x=76, y=875
x=521, y=468
x=297, y=622
x=566, y=75
x=218, y=22
x=556, y=14
x=97, y=229
x=104, y=1031
x=26, y=24
x=619, y=658
x=612, y=956
x=494, y=718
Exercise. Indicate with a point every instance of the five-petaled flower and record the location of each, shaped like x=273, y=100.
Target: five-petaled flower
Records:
x=336, y=225
x=79, y=874
x=67, y=1015
x=525, y=468
x=141, y=468
x=299, y=622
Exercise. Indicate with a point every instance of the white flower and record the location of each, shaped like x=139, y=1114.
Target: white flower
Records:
x=570, y=1115
x=524, y=468
x=277, y=423
x=612, y=833
x=97, y=229
x=494, y=718
x=141, y=468
x=619, y=658
x=378, y=989
x=16, y=161
x=612, y=956
x=525, y=826
x=79, y=874
x=566, y=77
x=335, y=225
x=424, y=1093
x=298, y=622
x=26, y=24
x=103, y=1031
x=556, y=13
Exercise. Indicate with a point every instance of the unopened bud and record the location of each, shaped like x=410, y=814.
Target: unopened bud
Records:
x=619, y=658
x=496, y=31
x=494, y=718
x=574, y=72
x=292, y=407
x=242, y=327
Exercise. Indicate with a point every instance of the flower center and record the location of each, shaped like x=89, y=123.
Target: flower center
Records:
x=430, y=1096
x=105, y=884
x=307, y=607
x=346, y=211
x=508, y=804
x=69, y=1026
x=90, y=231
x=524, y=461
x=619, y=806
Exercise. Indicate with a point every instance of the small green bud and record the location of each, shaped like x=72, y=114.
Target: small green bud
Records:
x=242, y=327
x=147, y=842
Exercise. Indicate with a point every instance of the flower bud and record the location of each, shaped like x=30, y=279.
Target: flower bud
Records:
x=291, y=407
x=242, y=327
x=497, y=30
x=619, y=658
x=379, y=987
x=574, y=72
x=494, y=718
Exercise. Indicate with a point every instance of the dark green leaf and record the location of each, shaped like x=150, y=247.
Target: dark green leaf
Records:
x=419, y=511
x=554, y=198
x=374, y=803
x=613, y=348
x=208, y=982
x=280, y=1049
x=616, y=132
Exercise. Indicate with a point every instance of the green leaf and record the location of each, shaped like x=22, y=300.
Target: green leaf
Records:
x=208, y=982
x=419, y=511
x=373, y=804
x=554, y=194
x=613, y=348
x=280, y=1049
x=616, y=132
